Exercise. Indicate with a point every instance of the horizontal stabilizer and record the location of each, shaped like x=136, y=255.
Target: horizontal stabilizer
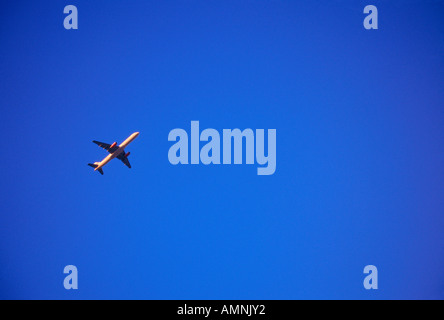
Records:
x=95, y=166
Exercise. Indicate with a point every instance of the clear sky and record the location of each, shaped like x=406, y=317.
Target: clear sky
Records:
x=359, y=178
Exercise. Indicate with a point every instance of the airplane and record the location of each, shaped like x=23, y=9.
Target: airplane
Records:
x=115, y=152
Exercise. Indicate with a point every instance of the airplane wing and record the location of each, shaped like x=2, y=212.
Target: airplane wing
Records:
x=124, y=159
x=106, y=146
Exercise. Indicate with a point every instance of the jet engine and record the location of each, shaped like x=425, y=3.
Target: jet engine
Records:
x=113, y=145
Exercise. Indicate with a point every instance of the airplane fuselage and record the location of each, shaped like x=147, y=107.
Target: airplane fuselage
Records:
x=121, y=149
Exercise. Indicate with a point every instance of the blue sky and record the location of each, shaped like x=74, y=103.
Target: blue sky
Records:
x=359, y=176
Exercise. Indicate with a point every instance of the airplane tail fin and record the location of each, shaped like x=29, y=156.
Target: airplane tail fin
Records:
x=95, y=165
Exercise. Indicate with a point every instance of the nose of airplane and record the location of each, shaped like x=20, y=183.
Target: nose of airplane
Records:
x=136, y=134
